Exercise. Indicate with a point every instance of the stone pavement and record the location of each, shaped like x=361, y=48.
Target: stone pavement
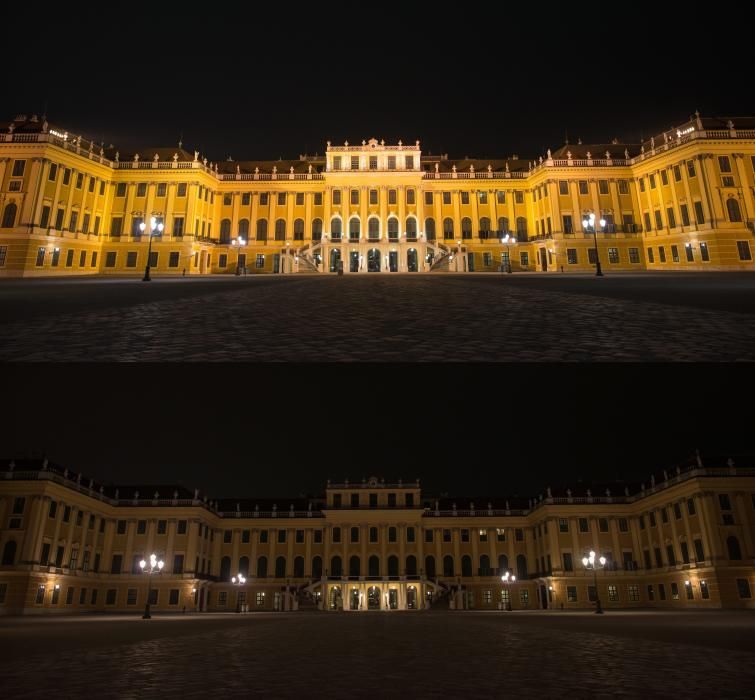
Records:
x=419, y=318
x=424, y=655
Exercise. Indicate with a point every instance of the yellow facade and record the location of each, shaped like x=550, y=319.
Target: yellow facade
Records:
x=682, y=540
x=681, y=201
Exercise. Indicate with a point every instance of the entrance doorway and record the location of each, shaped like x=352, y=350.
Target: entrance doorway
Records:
x=393, y=599
x=543, y=597
x=544, y=259
x=412, y=261
x=470, y=262
x=373, y=598
x=335, y=258
x=411, y=598
x=373, y=260
x=276, y=263
x=354, y=599
x=334, y=599
x=393, y=261
x=353, y=262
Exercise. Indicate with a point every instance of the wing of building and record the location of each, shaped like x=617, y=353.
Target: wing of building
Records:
x=684, y=538
x=681, y=201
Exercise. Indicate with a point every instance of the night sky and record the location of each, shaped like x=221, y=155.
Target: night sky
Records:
x=266, y=81
x=464, y=430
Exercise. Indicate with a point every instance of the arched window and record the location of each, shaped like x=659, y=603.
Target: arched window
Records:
x=393, y=228
x=503, y=564
x=225, y=231
x=466, y=227
x=448, y=565
x=317, y=230
x=466, y=565
x=244, y=229
x=485, y=566
x=9, y=215
x=374, y=229
x=503, y=225
x=336, y=567
x=299, y=230
x=735, y=552
x=280, y=567
x=299, y=567
x=336, y=228
x=732, y=206
x=430, y=229
x=9, y=553
x=411, y=228
x=411, y=565
x=355, y=229
x=521, y=567
x=244, y=566
x=430, y=566
x=355, y=568
x=448, y=229
x=280, y=230
x=521, y=229
x=262, y=567
x=225, y=569
x=374, y=567
x=317, y=567
x=484, y=227
x=262, y=229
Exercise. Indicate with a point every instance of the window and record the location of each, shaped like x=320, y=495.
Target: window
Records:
x=410, y=197
x=519, y=534
x=571, y=594
x=465, y=197
x=318, y=536
x=745, y=254
x=603, y=524
x=265, y=199
x=336, y=534
x=373, y=163
x=53, y=174
x=571, y=256
x=583, y=187
x=658, y=219
x=391, y=162
x=446, y=535
x=409, y=162
x=446, y=198
x=524, y=259
x=524, y=597
x=671, y=217
x=373, y=196
x=699, y=213
x=355, y=162
x=743, y=588
x=18, y=168
x=337, y=163
x=648, y=223
x=392, y=536
x=428, y=199
x=465, y=535
x=634, y=593
x=664, y=177
x=428, y=536
x=563, y=525
x=724, y=164
x=568, y=563
x=281, y=536
x=662, y=254
x=613, y=594
x=603, y=186
x=613, y=256
x=563, y=187
x=173, y=596
x=634, y=255
x=354, y=535
x=410, y=534
x=704, y=252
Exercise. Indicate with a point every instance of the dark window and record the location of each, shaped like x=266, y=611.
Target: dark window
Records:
x=743, y=588
x=117, y=564
x=568, y=563
x=745, y=254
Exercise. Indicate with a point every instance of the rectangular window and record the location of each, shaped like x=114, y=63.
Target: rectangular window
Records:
x=500, y=534
x=524, y=597
x=373, y=163
x=336, y=197
x=568, y=562
x=633, y=592
x=373, y=196
x=410, y=534
x=563, y=187
x=658, y=557
x=675, y=591
x=689, y=252
x=642, y=184
x=563, y=525
x=260, y=599
x=131, y=259
x=173, y=259
x=3, y=255
x=613, y=594
x=745, y=254
x=724, y=164
x=116, y=226
x=603, y=186
x=691, y=168
x=524, y=259
x=318, y=199
x=571, y=594
x=446, y=535
x=571, y=256
x=661, y=256
x=428, y=199
x=260, y=261
x=428, y=536
x=173, y=596
x=704, y=252
x=651, y=592
x=141, y=189
x=677, y=173
x=116, y=565
x=699, y=214
x=603, y=524
x=465, y=197
x=79, y=180
x=67, y=176
x=336, y=534
x=391, y=162
x=658, y=219
x=281, y=199
x=704, y=591
x=281, y=536
x=446, y=198
x=131, y=596
x=318, y=536
x=634, y=255
x=53, y=174
x=18, y=168
x=671, y=554
x=652, y=182
x=355, y=162
x=743, y=588
x=465, y=535
x=671, y=217
x=59, y=219
x=613, y=255
x=648, y=223
x=410, y=162
x=583, y=187
x=337, y=163
x=664, y=177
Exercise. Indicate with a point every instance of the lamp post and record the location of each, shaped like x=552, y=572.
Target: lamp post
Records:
x=507, y=578
x=154, y=226
x=594, y=563
x=239, y=580
x=238, y=243
x=154, y=564
x=590, y=223
x=505, y=241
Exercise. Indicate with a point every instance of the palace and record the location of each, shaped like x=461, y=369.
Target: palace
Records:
x=684, y=200
x=682, y=539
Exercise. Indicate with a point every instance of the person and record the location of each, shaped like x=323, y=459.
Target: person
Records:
x=184, y=611
x=562, y=268
x=184, y=273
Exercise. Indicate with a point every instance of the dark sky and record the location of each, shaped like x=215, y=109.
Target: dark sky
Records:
x=270, y=80
x=283, y=430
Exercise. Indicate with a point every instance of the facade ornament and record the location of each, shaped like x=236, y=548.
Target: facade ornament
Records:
x=541, y=160
x=549, y=492
x=550, y=155
x=652, y=142
x=102, y=151
x=175, y=494
x=608, y=155
x=364, y=143
x=256, y=171
x=454, y=168
x=136, y=495
x=382, y=142
x=400, y=144
x=652, y=481
x=642, y=150
x=730, y=463
x=45, y=462
x=45, y=126
x=507, y=167
x=579, y=142
x=626, y=491
x=471, y=169
x=204, y=161
x=730, y=124
x=65, y=473
x=196, y=494
x=156, y=158
x=328, y=144
x=608, y=493
x=275, y=170
x=346, y=143
x=175, y=157
x=117, y=156
x=589, y=493
x=117, y=494
x=238, y=170
x=136, y=157
x=437, y=167
x=699, y=459
x=678, y=470
x=589, y=155
x=309, y=169
x=196, y=156
x=626, y=153
x=568, y=155
x=78, y=479
x=12, y=465
x=292, y=170
x=665, y=475
x=102, y=490
x=11, y=128
x=157, y=495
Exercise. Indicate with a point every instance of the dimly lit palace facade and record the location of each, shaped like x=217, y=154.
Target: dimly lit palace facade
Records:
x=683, y=539
x=684, y=200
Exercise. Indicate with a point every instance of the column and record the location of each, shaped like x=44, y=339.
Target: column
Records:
x=715, y=212
x=34, y=530
x=308, y=218
x=170, y=207
x=748, y=199
x=710, y=528
x=235, y=216
x=39, y=193
x=128, y=555
x=577, y=209
x=192, y=542
x=170, y=545
x=742, y=516
x=127, y=225
x=107, y=547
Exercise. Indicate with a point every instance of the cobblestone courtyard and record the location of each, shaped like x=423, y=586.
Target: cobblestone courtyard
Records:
x=437, y=655
x=436, y=318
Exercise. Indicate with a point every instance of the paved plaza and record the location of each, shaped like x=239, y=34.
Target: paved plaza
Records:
x=416, y=318
x=426, y=655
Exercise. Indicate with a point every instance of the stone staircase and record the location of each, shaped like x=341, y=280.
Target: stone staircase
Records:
x=441, y=256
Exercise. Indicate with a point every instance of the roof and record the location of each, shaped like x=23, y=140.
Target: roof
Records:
x=598, y=151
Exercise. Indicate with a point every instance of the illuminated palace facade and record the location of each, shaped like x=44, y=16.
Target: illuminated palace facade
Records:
x=684, y=200
x=682, y=539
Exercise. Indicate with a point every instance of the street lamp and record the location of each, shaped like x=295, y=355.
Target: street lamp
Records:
x=239, y=580
x=505, y=241
x=507, y=578
x=154, y=226
x=590, y=223
x=149, y=568
x=238, y=242
x=592, y=563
